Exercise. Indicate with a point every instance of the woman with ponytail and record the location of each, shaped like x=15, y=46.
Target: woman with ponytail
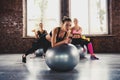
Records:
x=58, y=36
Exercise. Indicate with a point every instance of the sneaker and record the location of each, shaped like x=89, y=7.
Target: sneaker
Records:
x=94, y=58
x=23, y=59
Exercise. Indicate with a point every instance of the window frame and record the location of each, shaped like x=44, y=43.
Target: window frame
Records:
x=66, y=12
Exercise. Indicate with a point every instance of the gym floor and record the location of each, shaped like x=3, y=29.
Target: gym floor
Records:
x=107, y=68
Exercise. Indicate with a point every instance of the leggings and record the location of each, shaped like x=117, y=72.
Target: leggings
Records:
x=82, y=42
x=40, y=43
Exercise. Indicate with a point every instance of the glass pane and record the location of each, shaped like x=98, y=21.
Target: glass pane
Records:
x=52, y=14
x=79, y=10
x=98, y=17
x=42, y=11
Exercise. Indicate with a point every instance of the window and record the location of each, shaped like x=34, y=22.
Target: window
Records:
x=36, y=11
x=92, y=15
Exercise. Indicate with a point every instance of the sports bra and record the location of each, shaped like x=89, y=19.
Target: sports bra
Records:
x=58, y=39
x=41, y=34
x=76, y=32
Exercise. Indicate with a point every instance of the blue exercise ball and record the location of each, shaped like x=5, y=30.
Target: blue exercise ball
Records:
x=39, y=52
x=62, y=58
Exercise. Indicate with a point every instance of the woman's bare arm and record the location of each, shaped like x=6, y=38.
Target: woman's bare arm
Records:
x=53, y=39
x=36, y=33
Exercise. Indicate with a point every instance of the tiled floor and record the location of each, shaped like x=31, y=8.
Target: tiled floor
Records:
x=107, y=68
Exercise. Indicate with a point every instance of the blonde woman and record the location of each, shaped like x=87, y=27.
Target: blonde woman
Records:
x=76, y=32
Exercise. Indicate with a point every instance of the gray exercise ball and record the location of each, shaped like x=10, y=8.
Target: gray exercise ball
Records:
x=39, y=52
x=62, y=58
x=82, y=51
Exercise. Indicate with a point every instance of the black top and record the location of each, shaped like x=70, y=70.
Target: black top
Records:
x=58, y=39
x=41, y=33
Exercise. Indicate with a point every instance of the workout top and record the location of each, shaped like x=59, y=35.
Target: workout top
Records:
x=76, y=32
x=41, y=33
x=58, y=39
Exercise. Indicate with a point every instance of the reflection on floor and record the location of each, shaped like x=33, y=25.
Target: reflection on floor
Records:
x=107, y=68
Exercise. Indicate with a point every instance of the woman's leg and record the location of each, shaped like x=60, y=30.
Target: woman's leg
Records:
x=91, y=50
x=34, y=47
x=79, y=43
x=31, y=50
x=89, y=46
x=47, y=45
x=38, y=44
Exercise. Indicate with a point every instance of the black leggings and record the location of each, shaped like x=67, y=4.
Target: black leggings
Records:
x=40, y=43
x=82, y=42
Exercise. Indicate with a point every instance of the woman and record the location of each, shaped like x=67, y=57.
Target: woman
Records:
x=40, y=32
x=58, y=36
x=76, y=32
x=37, y=43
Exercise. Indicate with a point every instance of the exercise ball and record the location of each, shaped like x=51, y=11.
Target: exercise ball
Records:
x=39, y=52
x=82, y=51
x=62, y=58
